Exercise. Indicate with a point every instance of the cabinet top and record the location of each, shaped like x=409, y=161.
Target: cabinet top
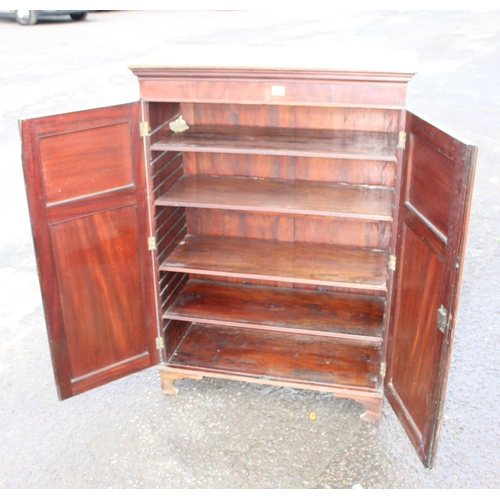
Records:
x=325, y=58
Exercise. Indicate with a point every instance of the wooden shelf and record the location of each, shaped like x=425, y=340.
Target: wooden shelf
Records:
x=267, y=355
x=280, y=196
x=280, y=261
x=280, y=309
x=346, y=144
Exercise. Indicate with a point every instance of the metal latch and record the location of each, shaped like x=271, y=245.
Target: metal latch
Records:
x=392, y=263
x=143, y=128
x=402, y=140
x=151, y=243
x=442, y=318
x=159, y=343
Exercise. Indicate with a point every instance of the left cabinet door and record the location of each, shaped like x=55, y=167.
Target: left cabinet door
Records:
x=86, y=183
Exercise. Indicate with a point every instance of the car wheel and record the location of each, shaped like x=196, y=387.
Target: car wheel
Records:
x=78, y=16
x=26, y=17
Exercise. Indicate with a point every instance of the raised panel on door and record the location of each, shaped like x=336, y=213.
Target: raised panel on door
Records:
x=85, y=181
x=435, y=202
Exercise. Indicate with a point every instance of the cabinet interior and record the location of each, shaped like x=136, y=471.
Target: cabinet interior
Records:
x=273, y=229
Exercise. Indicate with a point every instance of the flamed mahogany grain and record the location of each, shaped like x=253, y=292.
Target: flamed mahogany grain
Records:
x=266, y=195
x=278, y=141
x=280, y=261
x=287, y=310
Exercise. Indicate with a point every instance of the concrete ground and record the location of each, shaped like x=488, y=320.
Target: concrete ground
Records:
x=223, y=434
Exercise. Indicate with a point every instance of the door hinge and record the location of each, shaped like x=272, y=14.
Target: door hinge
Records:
x=442, y=318
x=383, y=368
x=159, y=343
x=392, y=263
x=151, y=243
x=144, y=129
x=402, y=140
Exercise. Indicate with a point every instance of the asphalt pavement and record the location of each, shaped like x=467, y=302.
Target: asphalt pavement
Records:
x=225, y=434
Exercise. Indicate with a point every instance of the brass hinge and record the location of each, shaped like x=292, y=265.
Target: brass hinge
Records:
x=392, y=263
x=159, y=343
x=442, y=318
x=402, y=140
x=151, y=243
x=144, y=128
x=383, y=368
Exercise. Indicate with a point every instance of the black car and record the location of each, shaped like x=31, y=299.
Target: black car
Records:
x=27, y=17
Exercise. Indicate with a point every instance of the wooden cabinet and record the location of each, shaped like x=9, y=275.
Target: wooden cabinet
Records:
x=304, y=230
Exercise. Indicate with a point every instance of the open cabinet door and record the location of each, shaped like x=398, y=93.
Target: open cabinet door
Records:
x=86, y=187
x=435, y=200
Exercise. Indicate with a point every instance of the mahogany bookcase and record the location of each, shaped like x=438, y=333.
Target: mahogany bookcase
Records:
x=304, y=230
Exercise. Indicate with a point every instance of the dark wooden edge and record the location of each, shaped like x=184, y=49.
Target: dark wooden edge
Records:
x=151, y=232
x=457, y=237
x=396, y=217
x=41, y=239
x=147, y=259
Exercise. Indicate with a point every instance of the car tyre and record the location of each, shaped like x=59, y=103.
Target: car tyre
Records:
x=78, y=16
x=26, y=17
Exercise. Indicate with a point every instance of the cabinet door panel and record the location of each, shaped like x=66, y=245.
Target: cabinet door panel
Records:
x=435, y=201
x=85, y=181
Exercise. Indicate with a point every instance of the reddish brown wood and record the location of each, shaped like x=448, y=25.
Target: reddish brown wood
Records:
x=93, y=306
x=277, y=141
x=358, y=94
x=173, y=333
x=365, y=172
x=282, y=261
x=419, y=353
x=85, y=162
x=168, y=378
x=290, y=197
x=289, y=228
x=94, y=268
x=334, y=231
x=263, y=355
x=287, y=310
x=240, y=224
x=374, y=173
x=302, y=117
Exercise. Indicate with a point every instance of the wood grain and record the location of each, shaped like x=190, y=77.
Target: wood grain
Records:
x=85, y=162
x=286, y=310
x=280, y=261
x=290, y=197
x=264, y=355
x=100, y=315
x=295, y=142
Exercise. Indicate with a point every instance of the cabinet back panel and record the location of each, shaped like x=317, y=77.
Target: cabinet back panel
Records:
x=240, y=224
x=364, y=172
x=234, y=224
x=348, y=232
x=306, y=117
x=262, y=166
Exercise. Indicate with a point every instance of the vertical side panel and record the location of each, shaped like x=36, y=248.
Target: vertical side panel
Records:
x=85, y=182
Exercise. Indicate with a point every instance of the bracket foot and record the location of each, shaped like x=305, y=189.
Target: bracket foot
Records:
x=168, y=377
